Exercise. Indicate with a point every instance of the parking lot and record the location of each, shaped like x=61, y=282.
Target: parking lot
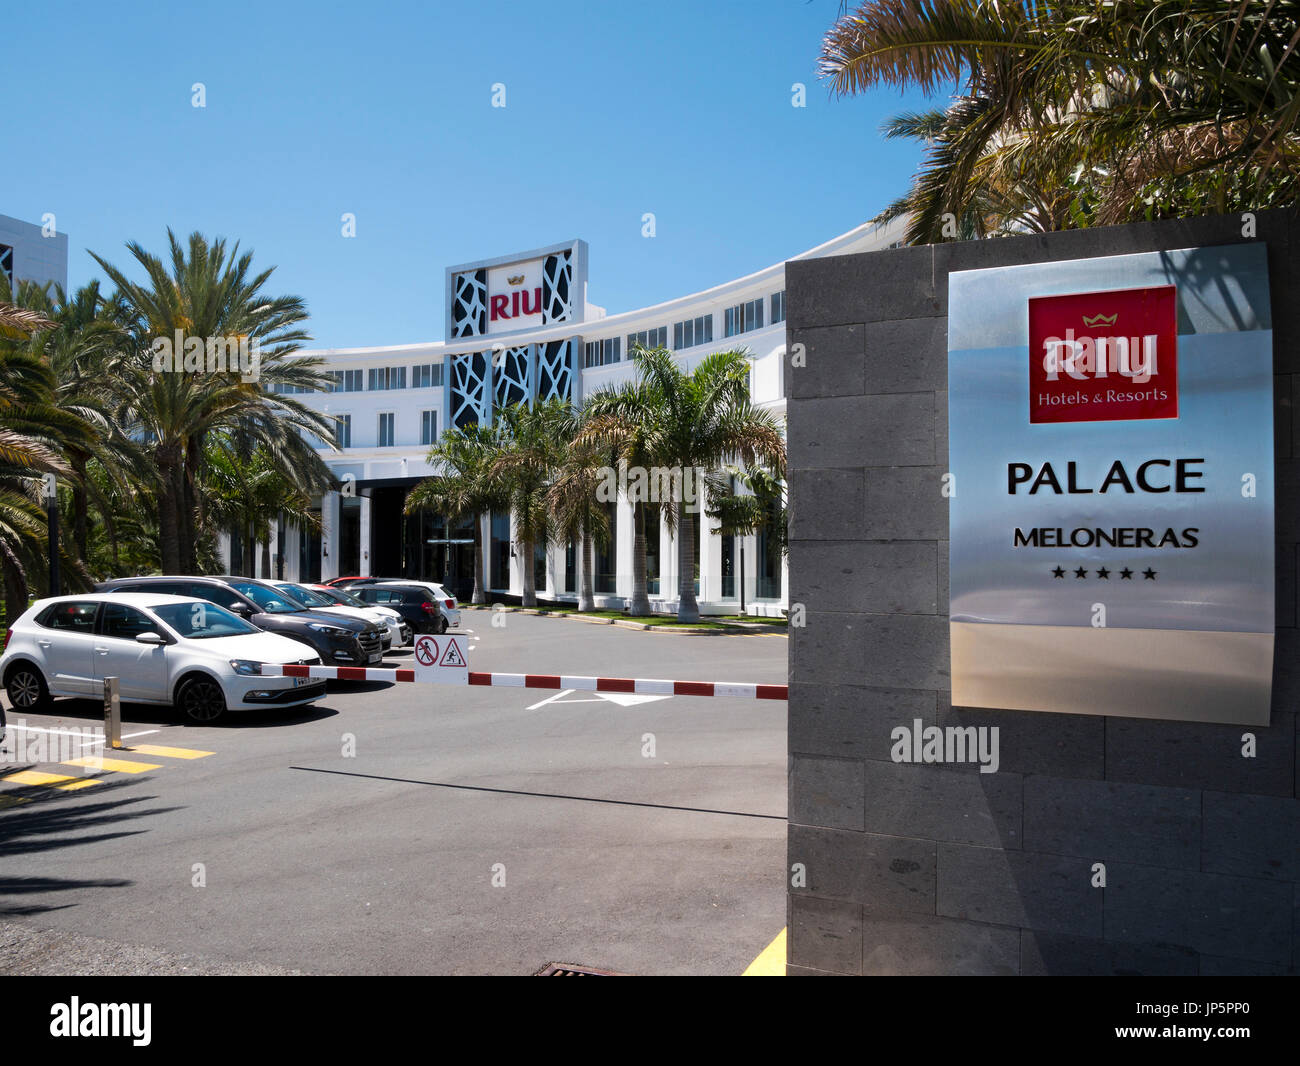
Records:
x=429, y=829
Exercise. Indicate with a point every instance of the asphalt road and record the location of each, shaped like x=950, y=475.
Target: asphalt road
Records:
x=317, y=860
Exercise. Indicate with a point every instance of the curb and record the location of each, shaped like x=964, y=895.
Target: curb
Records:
x=739, y=629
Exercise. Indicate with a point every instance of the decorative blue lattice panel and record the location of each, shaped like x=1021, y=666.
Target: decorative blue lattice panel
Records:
x=557, y=286
x=469, y=393
x=555, y=370
x=512, y=376
x=469, y=304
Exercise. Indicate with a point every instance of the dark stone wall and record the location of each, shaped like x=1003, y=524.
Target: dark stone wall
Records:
x=931, y=869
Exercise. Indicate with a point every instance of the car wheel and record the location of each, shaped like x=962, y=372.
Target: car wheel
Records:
x=440, y=626
x=26, y=689
x=201, y=700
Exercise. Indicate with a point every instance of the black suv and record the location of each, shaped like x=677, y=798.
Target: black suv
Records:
x=412, y=602
x=338, y=641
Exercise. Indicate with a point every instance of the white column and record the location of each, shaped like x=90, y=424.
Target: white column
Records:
x=330, y=516
x=668, y=561
x=273, y=545
x=365, y=534
x=710, y=554
x=291, y=550
x=625, y=547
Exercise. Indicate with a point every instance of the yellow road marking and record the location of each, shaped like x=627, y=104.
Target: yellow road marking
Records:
x=170, y=753
x=84, y=782
x=771, y=961
x=121, y=766
x=36, y=777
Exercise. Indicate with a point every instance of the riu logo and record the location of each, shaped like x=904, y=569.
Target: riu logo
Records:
x=1104, y=356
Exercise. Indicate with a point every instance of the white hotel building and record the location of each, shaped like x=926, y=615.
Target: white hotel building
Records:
x=521, y=327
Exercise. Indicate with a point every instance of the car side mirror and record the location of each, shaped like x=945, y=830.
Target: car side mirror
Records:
x=150, y=638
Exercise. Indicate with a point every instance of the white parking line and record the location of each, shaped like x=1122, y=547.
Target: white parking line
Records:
x=549, y=699
x=78, y=732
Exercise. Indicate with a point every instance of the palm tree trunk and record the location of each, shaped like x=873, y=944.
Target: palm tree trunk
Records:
x=168, y=506
x=480, y=578
x=16, y=590
x=530, y=577
x=80, y=505
x=266, y=559
x=687, y=609
x=586, y=596
x=193, y=504
x=640, y=598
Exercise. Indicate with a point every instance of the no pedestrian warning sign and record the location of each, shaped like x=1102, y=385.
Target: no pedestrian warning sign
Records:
x=441, y=660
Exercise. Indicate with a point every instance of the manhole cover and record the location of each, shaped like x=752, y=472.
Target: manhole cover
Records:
x=564, y=969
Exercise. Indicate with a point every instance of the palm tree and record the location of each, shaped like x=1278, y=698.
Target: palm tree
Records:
x=1155, y=109
x=249, y=494
x=573, y=502
x=533, y=453
x=29, y=427
x=760, y=508
x=213, y=295
x=467, y=487
x=625, y=417
x=86, y=347
x=699, y=422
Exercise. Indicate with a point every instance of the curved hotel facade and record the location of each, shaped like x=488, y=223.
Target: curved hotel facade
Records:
x=519, y=328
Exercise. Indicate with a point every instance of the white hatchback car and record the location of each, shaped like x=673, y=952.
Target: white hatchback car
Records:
x=191, y=653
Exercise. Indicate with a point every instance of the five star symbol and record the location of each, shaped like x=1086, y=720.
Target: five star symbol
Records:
x=1125, y=575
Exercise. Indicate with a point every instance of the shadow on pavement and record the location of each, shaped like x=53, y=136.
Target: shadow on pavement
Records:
x=146, y=714
x=64, y=820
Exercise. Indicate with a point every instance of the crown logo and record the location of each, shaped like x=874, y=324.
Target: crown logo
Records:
x=1104, y=320
x=518, y=279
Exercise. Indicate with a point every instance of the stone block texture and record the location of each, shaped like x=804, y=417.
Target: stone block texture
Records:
x=1099, y=845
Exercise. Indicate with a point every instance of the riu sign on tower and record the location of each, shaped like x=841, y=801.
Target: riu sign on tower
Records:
x=1111, y=524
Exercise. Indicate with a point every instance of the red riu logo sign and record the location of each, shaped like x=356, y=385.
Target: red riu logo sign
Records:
x=1104, y=356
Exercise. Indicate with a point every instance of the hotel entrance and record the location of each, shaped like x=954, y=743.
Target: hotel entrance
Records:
x=437, y=550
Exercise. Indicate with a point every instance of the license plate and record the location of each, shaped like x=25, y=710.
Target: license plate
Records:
x=298, y=682
x=376, y=657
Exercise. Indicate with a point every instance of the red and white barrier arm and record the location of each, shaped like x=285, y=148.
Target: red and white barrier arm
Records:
x=640, y=685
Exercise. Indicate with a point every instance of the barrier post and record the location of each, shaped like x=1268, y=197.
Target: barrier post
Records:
x=112, y=713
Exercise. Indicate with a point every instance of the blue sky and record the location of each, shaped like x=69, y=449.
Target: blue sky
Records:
x=384, y=110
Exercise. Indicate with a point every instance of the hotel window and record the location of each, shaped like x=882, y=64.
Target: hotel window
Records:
x=744, y=317
x=778, y=307
x=387, y=377
x=692, y=332
x=648, y=338
x=343, y=430
x=347, y=380
x=602, y=353
x=426, y=376
x=386, y=421
x=428, y=427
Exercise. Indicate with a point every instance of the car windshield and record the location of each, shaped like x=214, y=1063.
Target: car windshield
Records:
x=306, y=596
x=269, y=600
x=199, y=620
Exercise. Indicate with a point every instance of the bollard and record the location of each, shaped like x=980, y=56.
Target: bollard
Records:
x=112, y=713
